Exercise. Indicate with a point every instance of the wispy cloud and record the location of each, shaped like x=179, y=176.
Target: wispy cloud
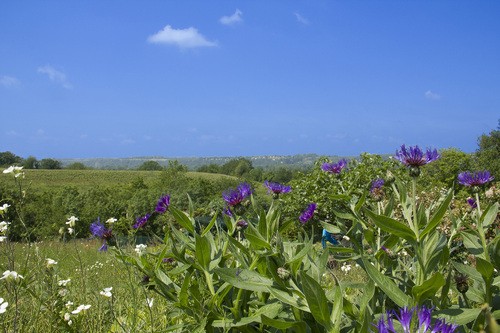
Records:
x=183, y=38
x=9, y=81
x=301, y=19
x=233, y=19
x=432, y=95
x=55, y=76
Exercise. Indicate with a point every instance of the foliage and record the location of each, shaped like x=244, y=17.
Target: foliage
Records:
x=150, y=166
x=488, y=153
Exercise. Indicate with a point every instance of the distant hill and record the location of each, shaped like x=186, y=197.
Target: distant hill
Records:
x=268, y=161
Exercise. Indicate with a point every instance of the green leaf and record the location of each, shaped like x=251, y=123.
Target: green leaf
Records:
x=468, y=270
x=283, y=324
x=386, y=284
x=294, y=298
x=183, y=294
x=316, y=299
x=391, y=226
x=428, y=288
x=330, y=228
x=485, y=268
x=182, y=219
x=255, y=238
x=244, y=279
x=472, y=243
x=203, y=251
x=490, y=215
x=210, y=225
x=336, y=315
x=271, y=310
x=459, y=316
x=438, y=215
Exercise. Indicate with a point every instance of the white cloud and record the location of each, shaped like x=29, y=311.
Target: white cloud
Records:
x=233, y=19
x=183, y=38
x=9, y=81
x=432, y=95
x=55, y=76
x=301, y=19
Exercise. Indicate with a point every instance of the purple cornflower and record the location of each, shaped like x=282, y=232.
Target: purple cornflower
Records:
x=141, y=221
x=100, y=231
x=163, y=203
x=424, y=318
x=415, y=157
x=408, y=320
x=308, y=213
x=234, y=197
x=334, y=167
x=241, y=224
x=470, y=179
x=472, y=203
x=404, y=318
x=276, y=188
x=377, y=184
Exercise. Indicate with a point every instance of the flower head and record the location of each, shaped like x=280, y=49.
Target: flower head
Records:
x=417, y=319
x=335, y=168
x=140, y=249
x=415, y=157
x=11, y=275
x=276, y=188
x=472, y=202
x=3, y=305
x=100, y=231
x=106, y=292
x=50, y=262
x=111, y=220
x=16, y=170
x=241, y=224
x=141, y=221
x=81, y=308
x=308, y=213
x=470, y=179
x=4, y=207
x=3, y=226
x=72, y=221
x=234, y=197
x=377, y=184
x=163, y=203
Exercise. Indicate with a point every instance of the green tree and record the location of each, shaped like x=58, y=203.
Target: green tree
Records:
x=31, y=163
x=210, y=168
x=7, y=158
x=444, y=171
x=76, y=166
x=50, y=163
x=150, y=166
x=488, y=153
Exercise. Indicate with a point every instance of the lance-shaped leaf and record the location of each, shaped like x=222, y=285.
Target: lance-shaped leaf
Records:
x=182, y=219
x=386, y=284
x=316, y=299
x=438, y=215
x=391, y=226
x=244, y=279
x=428, y=288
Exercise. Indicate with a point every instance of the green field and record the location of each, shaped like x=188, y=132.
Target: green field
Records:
x=90, y=178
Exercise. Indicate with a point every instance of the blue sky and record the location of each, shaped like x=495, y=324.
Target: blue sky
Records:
x=240, y=78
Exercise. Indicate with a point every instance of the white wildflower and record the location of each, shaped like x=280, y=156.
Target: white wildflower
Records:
x=51, y=262
x=140, y=249
x=81, y=308
x=69, y=304
x=3, y=238
x=3, y=226
x=4, y=207
x=3, y=305
x=111, y=220
x=71, y=231
x=345, y=268
x=346, y=238
x=403, y=253
x=13, y=169
x=106, y=292
x=72, y=221
x=67, y=317
x=11, y=275
x=149, y=302
x=63, y=283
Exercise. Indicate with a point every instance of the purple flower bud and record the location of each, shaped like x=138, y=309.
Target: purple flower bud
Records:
x=308, y=213
x=163, y=203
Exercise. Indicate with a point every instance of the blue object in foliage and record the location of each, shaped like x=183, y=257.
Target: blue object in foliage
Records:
x=327, y=237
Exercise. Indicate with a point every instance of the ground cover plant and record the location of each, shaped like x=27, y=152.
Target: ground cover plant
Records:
x=404, y=260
